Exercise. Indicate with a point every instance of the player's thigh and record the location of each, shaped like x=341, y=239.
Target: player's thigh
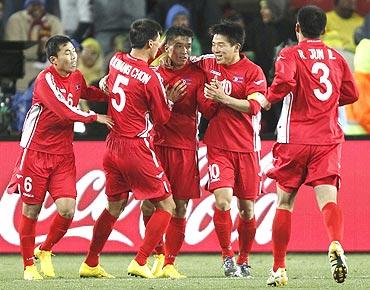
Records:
x=33, y=176
x=324, y=165
x=181, y=168
x=117, y=187
x=290, y=165
x=145, y=174
x=220, y=169
x=248, y=178
x=62, y=182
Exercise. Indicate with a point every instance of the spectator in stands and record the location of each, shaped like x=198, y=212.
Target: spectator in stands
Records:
x=1, y=19
x=204, y=14
x=33, y=23
x=91, y=60
x=267, y=32
x=76, y=16
x=263, y=36
x=358, y=114
x=363, y=31
x=179, y=15
x=341, y=25
x=114, y=17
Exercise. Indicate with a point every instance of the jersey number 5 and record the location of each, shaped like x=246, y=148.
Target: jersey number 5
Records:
x=117, y=89
x=319, y=66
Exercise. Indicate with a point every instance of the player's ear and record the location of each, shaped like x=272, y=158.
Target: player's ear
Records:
x=52, y=59
x=297, y=28
x=237, y=47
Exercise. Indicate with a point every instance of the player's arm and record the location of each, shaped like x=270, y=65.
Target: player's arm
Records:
x=283, y=83
x=206, y=107
x=91, y=93
x=160, y=105
x=215, y=92
x=348, y=90
x=51, y=97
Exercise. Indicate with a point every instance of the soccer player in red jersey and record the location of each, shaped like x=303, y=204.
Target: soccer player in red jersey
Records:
x=313, y=80
x=176, y=144
x=47, y=162
x=232, y=139
x=137, y=99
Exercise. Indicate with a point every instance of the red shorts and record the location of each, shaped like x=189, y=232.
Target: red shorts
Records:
x=240, y=171
x=296, y=164
x=132, y=165
x=37, y=172
x=181, y=168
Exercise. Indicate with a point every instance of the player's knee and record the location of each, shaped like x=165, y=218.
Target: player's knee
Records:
x=147, y=208
x=116, y=208
x=67, y=212
x=31, y=211
x=180, y=211
x=247, y=214
x=223, y=204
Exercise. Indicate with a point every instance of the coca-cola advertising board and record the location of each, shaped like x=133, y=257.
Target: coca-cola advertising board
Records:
x=308, y=232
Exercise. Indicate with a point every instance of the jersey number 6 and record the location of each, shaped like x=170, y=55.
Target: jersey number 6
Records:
x=117, y=89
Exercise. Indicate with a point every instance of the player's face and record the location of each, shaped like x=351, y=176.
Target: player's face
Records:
x=66, y=60
x=179, y=50
x=154, y=45
x=224, y=52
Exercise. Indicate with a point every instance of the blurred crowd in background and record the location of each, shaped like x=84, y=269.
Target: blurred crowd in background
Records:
x=99, y=28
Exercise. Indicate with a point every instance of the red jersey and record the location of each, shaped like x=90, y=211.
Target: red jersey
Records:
x=229, y=129
x=180, y=131
x=313, y=80
x=49, y=122
x=138, y=97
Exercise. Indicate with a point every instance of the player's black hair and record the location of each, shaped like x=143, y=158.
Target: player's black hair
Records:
x=175, y=31
x=143, y=30
x=53, y=44
x=312, y=20
x=232, y=31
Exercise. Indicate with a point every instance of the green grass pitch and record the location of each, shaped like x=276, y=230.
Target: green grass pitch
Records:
x=305, y=271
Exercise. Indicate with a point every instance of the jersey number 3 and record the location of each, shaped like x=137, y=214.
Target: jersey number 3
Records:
x=324, y=79
x=117, y=89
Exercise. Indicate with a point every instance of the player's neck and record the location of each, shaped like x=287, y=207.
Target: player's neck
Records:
x=62, y=73
x=140, y=54
x=234, y=59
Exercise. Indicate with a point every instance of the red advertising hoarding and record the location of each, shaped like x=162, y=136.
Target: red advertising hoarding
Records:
x=308, y=233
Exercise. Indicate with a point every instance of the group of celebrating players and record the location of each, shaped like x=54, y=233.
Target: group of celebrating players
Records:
x=159, y=166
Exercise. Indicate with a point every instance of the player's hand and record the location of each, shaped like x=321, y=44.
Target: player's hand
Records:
x=177, y=91
x=103, y=84
x=215, y=92
x=104, y=119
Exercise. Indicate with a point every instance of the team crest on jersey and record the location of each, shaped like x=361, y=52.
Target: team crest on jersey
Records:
x=238, y=79
x=78, y=86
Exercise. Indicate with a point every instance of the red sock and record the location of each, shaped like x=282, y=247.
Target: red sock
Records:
x=159, y=249
x=223, y=225
x=57, y=230
x=333, y=221
x=174, y=239
x=280, y=236
x=27, y=239
x=102, y=229
x=247, y=232
x=155, y=229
